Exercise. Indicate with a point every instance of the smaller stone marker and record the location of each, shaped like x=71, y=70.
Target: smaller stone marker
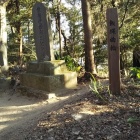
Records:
x=42, y=33
x=113, y=50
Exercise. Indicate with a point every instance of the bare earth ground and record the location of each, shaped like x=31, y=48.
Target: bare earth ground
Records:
x=77, y=114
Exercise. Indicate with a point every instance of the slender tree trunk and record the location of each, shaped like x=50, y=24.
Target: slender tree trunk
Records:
x=65, y=43
x=89, y=57
x=59, y=30
x=58, y=25
x=28, y=32
x=19, y=31
x=20, y=47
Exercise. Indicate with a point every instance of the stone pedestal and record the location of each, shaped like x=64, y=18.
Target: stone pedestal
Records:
x=48, y=76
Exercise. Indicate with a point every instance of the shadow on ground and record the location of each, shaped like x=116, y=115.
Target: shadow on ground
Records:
x=78, y=115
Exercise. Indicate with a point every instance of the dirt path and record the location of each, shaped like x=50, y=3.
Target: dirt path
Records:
x=19, y=114
x=75, y=115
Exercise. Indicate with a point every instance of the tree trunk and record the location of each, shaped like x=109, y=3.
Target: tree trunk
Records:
x=58, y=25
x=89, y=57
x=65, y=43
x=3, y=38
x=20, y=47
x=19, y=32
x=59, y=30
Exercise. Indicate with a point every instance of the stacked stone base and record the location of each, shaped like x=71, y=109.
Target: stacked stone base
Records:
x=48, y=76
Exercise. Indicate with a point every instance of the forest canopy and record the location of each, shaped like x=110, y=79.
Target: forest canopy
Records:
x=68, y=33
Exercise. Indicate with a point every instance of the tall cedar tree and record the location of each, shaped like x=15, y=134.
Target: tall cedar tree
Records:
x=88, y=46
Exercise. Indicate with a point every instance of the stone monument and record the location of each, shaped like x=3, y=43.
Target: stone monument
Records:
x=42, y=32
x=46, y=73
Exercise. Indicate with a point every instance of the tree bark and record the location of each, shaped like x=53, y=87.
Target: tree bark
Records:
x=19, y=31
x=88, y=46
x=3, y=37
x=20, y=47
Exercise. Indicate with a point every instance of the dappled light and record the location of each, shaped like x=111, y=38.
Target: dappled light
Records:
x=69, y=70
x=86, y=119
x=76, y=113
x=16, y=109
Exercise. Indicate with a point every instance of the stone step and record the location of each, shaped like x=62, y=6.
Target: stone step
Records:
x=54, y=67
x=49, y=83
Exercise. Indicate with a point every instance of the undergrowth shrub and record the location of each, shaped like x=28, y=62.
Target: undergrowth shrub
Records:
x=135, y=72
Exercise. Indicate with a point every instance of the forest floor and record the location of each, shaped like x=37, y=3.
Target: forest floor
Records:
x=77, y=114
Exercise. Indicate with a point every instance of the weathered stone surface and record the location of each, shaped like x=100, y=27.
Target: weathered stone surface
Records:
x=42, y=33
x=48, y=67
x=70, y=79
x=41, y=82
x=48, y=76
x=49, y=83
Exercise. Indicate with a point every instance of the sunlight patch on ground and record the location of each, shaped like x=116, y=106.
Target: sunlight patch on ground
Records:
x=15, y=109
x=91, y=109
x=3, y=126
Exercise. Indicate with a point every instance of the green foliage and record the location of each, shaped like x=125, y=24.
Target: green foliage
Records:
x=71, y=64
x=135, y=72
x=133, y=120
x=19, y=13
x=129, y=32
x=95, y=86
x=102, y=70
x=100, y=52
x=29, y=53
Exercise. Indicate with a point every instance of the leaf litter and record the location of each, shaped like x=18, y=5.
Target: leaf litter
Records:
x=90, y=118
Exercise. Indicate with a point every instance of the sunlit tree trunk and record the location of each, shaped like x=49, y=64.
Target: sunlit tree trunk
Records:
x=89, y=57
x=20, y=47
x=59, y=30
x=3, y=37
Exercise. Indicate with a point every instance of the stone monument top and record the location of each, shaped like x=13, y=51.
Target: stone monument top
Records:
x=42, y=33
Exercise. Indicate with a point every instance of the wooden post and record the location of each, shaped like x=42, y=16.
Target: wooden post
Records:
x=113, y=50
